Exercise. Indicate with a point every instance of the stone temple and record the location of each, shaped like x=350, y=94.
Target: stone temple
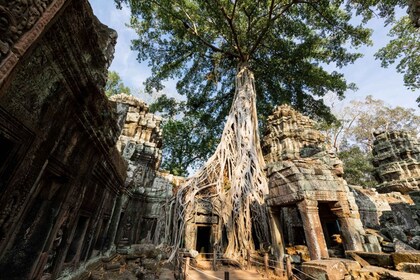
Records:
x=306, y=182
x=82, y=195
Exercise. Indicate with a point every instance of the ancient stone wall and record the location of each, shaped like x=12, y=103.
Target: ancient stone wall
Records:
x=148, y=211
x=397, y=161
x=303, y=174
x=60, y=173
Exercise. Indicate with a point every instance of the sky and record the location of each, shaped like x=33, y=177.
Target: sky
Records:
x=371, y=79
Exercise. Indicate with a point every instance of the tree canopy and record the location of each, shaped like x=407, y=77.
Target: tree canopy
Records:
x=372, y=115
x=403, y=50
x=285, y=43
x=352, y=134
x=242, y=55
x=114, y=85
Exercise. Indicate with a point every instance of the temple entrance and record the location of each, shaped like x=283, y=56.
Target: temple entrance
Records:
x=331, y=229
x=203, y=241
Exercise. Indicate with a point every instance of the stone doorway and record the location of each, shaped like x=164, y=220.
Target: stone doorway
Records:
x=331, y=228
x=203, y=241
x=78, y=237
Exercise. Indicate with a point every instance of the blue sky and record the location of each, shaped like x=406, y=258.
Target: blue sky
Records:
x=369, y=76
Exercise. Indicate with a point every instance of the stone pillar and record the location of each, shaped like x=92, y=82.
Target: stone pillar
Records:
x=114, y=222
x=190, y=236
x=277, y=236
x=350, y=226
x=313, y=229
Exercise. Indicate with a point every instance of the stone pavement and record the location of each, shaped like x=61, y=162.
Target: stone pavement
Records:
x=233, y=275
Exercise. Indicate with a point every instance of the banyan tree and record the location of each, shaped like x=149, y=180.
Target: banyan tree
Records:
x=246, y=54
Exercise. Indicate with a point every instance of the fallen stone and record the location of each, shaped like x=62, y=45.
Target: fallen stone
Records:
x=401, y=246
x=415, y=231
x=331, y=269
x=388, y=247
x=122, y=251
x=372, y=242
x=409, y=267
x=379, y=236
x=394, y=233
x=112, y=266
x=150, y=264
x=376, y=259
x=380, y=273
x=193, y=253
x=145, y=250
x=415, y=242
x=166, y=274
x=406, y=257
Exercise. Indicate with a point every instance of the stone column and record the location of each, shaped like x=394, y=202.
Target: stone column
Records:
x=313, y=229
x=114, y=222
x=277, y=236
x=350, y=226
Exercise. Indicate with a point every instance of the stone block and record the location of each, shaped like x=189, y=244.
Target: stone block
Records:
x=415, y=242
x=401, y=246
x=112, y=266
x=376, y=259
x=395, y=232
x=409, y=267
x=331, y=269
x=150, y=264
x=132, y=117
x=406, y=257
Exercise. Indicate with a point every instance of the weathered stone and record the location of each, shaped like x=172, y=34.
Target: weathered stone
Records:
x=415, y=242
x=395, y=232
x=140, y=144
x=60, y=173
x=150, y=264
x=302, y=172
x=329, y=269
x=409, y=267
x=112, y=266
x=377, y=259
x=406, y=257
x=397, y=161
x=401, y=246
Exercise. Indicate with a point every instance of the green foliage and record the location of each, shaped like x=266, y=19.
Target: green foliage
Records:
x=358, y=168
x=185, y=145
x=114, y=85
x=373, y=115
x=403, y=50
x=371, y=8
x=168, y=107
x=202, y=43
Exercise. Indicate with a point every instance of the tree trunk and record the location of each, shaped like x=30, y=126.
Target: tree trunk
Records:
x=233, y=179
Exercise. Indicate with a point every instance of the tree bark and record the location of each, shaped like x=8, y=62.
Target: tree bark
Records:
x=233, y=179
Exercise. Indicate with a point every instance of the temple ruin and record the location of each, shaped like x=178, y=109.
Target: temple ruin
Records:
x=147, y=209
x=305, y=182
x=60, y=171
x=82, y=193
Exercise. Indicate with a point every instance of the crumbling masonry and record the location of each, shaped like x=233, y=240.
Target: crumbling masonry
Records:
x=80, y=179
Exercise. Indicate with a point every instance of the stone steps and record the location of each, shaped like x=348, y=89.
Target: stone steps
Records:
x=233, y=275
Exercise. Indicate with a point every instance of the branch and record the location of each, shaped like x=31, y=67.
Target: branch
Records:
x=211, y=46
x=231, y=26
x=328, y=20
x=269, y=22
x=194, y=30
